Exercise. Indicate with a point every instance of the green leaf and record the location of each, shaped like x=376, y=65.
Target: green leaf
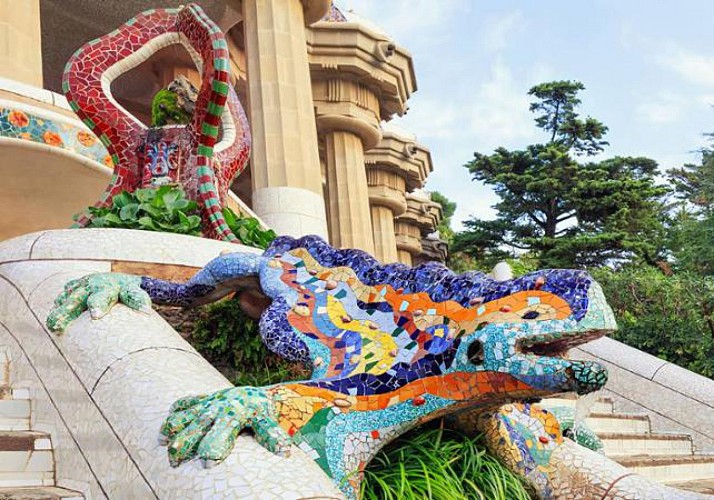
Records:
x=112, y=219
x=147, y=223
x=145, y=195
x=122, y=199
x=229, y=216
x=170, y=198
x=129, y=211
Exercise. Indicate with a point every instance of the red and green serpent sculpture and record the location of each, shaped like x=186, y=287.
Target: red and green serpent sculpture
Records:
x=192, y=155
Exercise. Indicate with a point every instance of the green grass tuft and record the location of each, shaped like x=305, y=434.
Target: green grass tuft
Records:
x=439, y=464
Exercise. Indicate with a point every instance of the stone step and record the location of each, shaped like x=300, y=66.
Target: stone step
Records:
x=26, y=459
x=603, y=405
x=672, y=469
x=621, y=423
x=620, y=445
x=25, y=441
x=15, y=412
x=39, y=493
x=705, y=486
x=26, y=479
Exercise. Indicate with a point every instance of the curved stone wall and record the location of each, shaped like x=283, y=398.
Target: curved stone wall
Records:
x=103, y=387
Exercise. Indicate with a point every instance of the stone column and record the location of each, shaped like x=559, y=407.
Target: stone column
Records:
x=395, y=166
x=387, y=201
x=348, y=119
x=21, y=47
x=350, y=221
x=405, y=257
x=287, y=187
x=385, y=241
x=420, y=219
x=408, y=239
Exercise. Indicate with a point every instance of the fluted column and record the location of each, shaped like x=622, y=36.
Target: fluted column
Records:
x=387, y=201
x=350, y=219
x=287, y=187
x=404, y=257
x=408, y=240
x=21, y=47
x=385, y=241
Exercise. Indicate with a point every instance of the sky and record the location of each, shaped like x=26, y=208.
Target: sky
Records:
x=647, y=65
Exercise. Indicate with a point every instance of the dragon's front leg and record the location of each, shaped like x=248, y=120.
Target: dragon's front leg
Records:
x=207, y=425
x=99, y=292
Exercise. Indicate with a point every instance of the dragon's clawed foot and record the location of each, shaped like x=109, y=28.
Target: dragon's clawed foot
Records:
x=207, y=425
x=98, y=293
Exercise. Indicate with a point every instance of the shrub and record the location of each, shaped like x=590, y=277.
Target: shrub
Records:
x=248, y=229
x=439, y=464
x=165, y=209
x=230, y=340
x=671, y=317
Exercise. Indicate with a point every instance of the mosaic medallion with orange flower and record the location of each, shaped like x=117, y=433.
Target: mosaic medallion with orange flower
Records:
x=86, y=138
x=18, y=119
x=52, y=138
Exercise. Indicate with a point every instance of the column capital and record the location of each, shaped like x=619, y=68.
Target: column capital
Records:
x=422, y=212
x=399, y=152
x=387, y=189
x=408, y=237
x=343, y=104
x=355, y=51
x=333, y=122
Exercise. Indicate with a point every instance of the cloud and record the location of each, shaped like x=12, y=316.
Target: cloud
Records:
x=665, y=107
x=499, y=114
x=403, y=18
x=501, y=29
x=694, y=68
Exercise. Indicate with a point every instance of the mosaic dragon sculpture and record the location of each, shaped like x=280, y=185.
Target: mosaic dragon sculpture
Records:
x=192, y=155
x=390, y=347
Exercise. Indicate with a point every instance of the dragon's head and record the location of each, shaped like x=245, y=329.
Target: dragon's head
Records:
x=523, y=328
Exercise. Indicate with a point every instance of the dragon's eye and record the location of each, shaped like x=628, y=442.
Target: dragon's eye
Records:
x=475, y=352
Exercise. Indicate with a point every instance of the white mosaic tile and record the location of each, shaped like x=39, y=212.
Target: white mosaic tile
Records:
x=17, y=248
x=123, y=244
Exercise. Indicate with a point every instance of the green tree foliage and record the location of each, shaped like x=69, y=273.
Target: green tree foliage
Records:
x=692, y=226
x=566, y=210
x=671, y=317
x=448, y=208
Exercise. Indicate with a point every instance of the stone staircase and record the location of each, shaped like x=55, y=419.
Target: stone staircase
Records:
x=669, y=458
x=27, y=466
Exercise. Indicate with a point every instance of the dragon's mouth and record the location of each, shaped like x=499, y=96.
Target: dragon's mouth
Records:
x=580, y=376
x=556, y=345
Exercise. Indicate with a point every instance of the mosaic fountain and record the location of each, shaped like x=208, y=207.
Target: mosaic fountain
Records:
x=390, y=346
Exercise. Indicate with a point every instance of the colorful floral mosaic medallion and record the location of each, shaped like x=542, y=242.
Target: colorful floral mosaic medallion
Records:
x=19, y=124
x=390, y=347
